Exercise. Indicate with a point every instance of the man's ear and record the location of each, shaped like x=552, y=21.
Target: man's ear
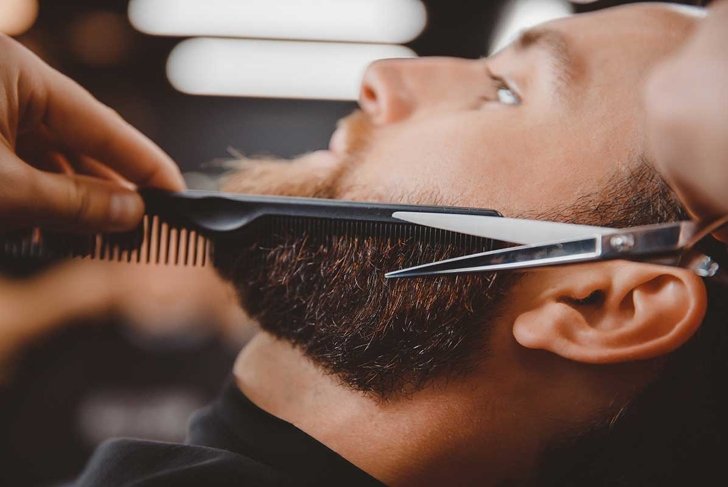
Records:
x=610, y=312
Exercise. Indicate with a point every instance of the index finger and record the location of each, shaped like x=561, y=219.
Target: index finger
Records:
x=89, y=127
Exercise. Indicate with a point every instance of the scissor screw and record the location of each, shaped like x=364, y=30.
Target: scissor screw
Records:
x=622, y=243
x=707, y=267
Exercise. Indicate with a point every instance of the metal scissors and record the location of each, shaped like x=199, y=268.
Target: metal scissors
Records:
x=544, y=244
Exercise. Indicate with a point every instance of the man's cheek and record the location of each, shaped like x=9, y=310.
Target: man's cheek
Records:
x=435, y=159
x=384, y=172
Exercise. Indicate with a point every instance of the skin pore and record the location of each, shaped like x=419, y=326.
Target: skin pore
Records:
x=449, y=130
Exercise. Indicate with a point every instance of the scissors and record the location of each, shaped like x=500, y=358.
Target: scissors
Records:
x=543, y=244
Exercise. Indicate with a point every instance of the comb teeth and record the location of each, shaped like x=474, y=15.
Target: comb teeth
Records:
x=402, y=231
x=155, y=241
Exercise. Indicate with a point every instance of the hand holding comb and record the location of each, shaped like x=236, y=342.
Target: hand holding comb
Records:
x=182, y=228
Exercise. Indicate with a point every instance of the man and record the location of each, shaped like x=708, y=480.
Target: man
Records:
x=547, y=378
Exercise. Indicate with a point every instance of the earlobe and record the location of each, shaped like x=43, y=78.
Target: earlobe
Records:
x=613, y=312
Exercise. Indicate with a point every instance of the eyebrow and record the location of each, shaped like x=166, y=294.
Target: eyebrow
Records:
x=556, y=45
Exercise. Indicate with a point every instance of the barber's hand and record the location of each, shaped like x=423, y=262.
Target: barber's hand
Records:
x=66, y=160
x=687, y=115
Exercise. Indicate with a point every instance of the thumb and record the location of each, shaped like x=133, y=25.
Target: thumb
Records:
x=83, y=203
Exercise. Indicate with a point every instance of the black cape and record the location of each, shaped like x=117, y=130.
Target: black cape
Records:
x=231, y=443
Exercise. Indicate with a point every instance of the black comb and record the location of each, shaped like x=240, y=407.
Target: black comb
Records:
x=182, y=228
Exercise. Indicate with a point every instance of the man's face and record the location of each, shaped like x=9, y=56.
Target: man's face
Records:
x=533, y=130
x=549, y=119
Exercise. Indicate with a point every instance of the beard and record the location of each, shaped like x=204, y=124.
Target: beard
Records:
x=325, y=292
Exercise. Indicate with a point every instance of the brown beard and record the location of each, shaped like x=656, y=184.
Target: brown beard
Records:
x=326, y=293
x=308, y=175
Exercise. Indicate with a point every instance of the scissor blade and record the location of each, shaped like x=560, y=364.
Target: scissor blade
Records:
x=506, y=229
x=514, y=258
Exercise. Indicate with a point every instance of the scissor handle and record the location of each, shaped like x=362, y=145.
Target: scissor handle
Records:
x=705, y=230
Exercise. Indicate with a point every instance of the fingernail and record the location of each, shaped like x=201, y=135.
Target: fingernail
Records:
x=125, y=209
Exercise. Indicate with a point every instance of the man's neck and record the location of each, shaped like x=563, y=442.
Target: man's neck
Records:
x=417, y=440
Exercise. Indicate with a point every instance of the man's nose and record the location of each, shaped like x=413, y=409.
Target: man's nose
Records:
x=393, y=89
x=383, y=94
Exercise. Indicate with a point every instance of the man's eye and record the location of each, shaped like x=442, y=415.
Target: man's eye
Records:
x=507, y=96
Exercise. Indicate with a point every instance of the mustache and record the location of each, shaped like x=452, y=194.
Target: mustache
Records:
x=357, y=128
x=308, y=175
x=305, y=176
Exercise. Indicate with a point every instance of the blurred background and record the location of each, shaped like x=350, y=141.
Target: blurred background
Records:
x=206, y=80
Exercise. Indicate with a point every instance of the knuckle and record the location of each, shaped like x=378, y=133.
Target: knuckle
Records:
x=102, y=145
x=80, y=202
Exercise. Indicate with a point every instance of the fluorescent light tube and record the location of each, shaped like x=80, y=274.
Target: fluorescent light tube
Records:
x=385, y=21
x=274, y=69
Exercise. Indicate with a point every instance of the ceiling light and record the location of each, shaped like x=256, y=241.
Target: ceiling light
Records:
x=274, y=69
x=386, y=21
